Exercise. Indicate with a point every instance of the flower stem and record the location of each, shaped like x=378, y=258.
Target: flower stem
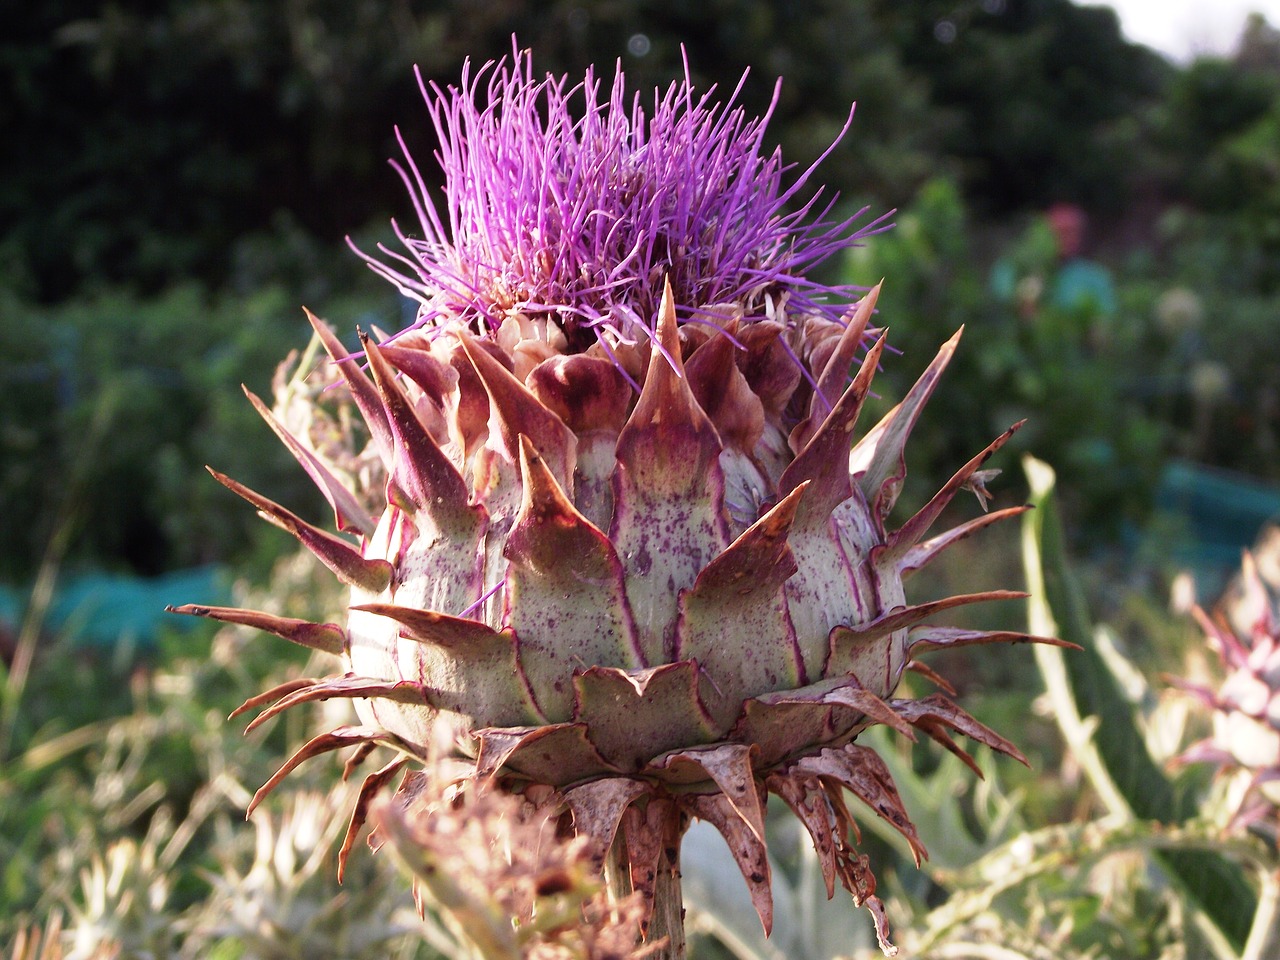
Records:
x=666, y=923
x=1264, y=935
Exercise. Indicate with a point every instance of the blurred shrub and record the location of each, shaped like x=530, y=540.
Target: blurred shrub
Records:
x=1187, y=365
x=1220, y=127
x=112, y=405
x=1069, y=371
x=1046, y=98
x=1229, y=357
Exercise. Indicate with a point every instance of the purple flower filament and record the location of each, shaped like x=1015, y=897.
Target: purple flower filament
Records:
x=581, y=216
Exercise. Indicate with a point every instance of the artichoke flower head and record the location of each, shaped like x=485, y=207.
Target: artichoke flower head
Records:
x=630, y=553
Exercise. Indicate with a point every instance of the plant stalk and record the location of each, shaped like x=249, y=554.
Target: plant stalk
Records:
x=667, y=921
x=1264, y=935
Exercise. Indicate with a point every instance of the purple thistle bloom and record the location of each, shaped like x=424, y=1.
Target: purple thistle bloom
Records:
x=581, y=216
x=641, y=592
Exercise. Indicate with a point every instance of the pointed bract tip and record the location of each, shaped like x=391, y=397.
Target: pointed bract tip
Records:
x=384, y=377
x=316, y=323
x=325, y=637
x=332, y=345
x=339, y=555
x=423, y=477
x=783, y=513
x=528, y=453
x=347, y=511
x=667, y=333
x=537, y=478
